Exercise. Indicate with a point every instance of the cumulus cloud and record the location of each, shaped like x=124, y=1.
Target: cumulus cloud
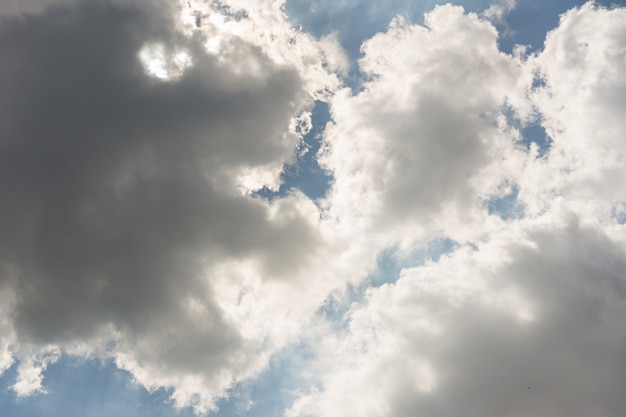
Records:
x=579, y=100
x=127, y=150
x=133, y=138
x=265, y=25
x=427, y=137
x=526, y=325
x=524, y=318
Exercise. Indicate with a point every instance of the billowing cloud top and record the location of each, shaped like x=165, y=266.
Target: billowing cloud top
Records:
x=139, y=144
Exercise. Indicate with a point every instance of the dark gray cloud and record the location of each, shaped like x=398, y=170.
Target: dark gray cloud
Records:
x=118, y=190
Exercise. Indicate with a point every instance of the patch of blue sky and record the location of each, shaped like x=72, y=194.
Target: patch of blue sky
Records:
x=305, y=173
x=390, y=263
x=535, y=133
x=229, y=12
x=78, y=388
x=531, y=20
x=272, y=391
x=337, y=305
x=531, y=132
x=100, y=389
x=507, y=206
x=354, y=21
x=619, y=212
x=224, y=9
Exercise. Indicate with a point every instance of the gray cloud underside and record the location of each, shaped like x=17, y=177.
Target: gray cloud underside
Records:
x=534, y=327
x=567, y=363
x=118, y=190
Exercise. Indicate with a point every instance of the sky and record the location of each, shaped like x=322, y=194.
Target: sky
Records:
x=312, y=208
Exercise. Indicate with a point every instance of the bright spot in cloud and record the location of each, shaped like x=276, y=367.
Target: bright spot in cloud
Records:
x=164, y=64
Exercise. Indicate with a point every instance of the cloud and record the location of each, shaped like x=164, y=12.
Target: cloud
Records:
x=125, y=203
x=265, y=25
x=579, y=99
x=427, y=137
x=499, y=9
x=526, y=324
x=524, y=317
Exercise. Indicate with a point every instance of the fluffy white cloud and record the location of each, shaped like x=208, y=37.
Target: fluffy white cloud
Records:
x=529, y=324
x=426, y=141
x=526, y=318
x=263, y=25
x=580, y=102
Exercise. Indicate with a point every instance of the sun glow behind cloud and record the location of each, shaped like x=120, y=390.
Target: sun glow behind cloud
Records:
x=159, y=63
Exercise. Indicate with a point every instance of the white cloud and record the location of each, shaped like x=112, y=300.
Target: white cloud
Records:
x=499, y=9
x=582, y=66
x=538, y=332
x=526, y=319
x=32, y=364
x=497, y=13
x=427, y=139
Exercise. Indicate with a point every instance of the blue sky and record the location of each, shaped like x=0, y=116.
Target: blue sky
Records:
x=312, y=208
x=356, y=21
